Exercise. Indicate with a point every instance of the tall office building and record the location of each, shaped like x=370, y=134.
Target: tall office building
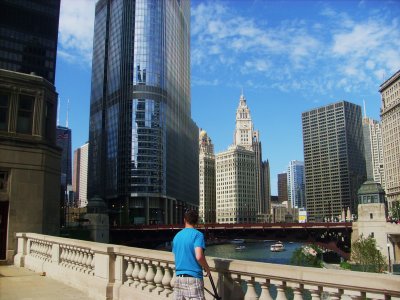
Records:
x=373, y=147
x=80, y=175
x=266, y=199
x=282, y=187
x=390, y=116
x=239, y=174
x=248, y=138
x=236, y=186
x=333, y=158
x=64, y=141
x=296, y=184
x=143, y=155
x=207, y=203
x=28, y=36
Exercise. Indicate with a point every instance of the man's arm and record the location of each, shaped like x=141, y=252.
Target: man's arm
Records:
x=201, y=259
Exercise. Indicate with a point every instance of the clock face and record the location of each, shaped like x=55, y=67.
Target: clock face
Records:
x=245, y=125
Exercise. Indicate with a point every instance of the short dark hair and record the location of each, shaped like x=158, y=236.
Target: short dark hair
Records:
x=191, y=216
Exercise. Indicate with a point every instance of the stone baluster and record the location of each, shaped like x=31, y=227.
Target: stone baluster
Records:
x=265, y=294
x=158, y=279
x=135, y=273
x=237, y=291
x=280, y=287
x=93, y=263
x=172, y=282
x=84, y=259
x=69, y=257
x=142, y=275
x=359, y=296
x=150, y=275
x=128, y=272
x=80, y=260
x=166, y=280
x=251, y=290
x=89, y=262
x=49, y=249
x=334, y=293
x=72, y=258
x=75, y=258
x=315, y=292
x=298, y=292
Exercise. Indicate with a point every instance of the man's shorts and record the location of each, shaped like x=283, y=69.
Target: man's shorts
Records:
x=188, y=288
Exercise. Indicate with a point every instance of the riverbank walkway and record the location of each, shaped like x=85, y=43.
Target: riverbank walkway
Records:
x=22, y=284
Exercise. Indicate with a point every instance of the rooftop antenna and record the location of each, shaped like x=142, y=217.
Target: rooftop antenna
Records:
x=66, y=121
x=58, y=112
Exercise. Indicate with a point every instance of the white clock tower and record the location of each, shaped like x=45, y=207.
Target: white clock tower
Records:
x=244, y=126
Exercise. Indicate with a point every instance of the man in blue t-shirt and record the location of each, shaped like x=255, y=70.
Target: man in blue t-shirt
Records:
x=188, y=248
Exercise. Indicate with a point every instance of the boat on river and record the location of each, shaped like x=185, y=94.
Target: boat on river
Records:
x=240, y=248
x=277, y=247
x=237, y=241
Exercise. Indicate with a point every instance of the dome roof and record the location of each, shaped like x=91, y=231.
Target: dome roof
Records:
x=370, y=187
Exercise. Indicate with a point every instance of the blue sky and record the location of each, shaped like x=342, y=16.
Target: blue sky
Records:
x=288, y=56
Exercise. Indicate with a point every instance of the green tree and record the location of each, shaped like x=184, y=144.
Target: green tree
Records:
x=366, y=255
x=394, y=211
x=307, y=256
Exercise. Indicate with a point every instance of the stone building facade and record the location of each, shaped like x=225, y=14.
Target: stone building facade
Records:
x=29, y=158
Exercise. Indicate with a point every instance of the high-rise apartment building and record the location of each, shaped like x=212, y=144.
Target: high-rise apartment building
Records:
x=296, y=184
x=282, y=187
x=333, y=158
x=143, y=155
x=390, y=117
x=28, y=36
x=239, y=185
x=80, y=175
x=373, y=147
x=207, y=203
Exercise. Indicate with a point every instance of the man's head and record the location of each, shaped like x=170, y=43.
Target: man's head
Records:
x=191, y=217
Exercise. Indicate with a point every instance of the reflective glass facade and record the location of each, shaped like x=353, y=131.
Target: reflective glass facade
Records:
x=143, y=142
x=28, y=36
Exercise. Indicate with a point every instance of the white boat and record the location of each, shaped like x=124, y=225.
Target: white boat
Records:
x=277, y=247
x=237, y=241
x=239, y=248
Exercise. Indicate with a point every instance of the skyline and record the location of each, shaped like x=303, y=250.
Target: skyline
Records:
x=305, y=56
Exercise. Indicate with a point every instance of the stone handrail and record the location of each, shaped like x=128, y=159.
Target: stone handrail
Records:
x=106, y=271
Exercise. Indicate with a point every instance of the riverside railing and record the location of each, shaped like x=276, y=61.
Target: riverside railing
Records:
x=105, y=271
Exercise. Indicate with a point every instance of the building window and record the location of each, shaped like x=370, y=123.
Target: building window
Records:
x=371, y=216
x=3, y=181
x=4, y=103
x=25, y=114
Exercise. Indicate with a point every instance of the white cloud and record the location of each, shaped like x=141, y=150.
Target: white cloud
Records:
x=76, y=30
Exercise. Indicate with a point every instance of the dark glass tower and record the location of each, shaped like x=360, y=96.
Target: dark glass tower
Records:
x=143, y=156
x=28, y=36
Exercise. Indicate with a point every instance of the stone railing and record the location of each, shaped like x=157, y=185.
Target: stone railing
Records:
x=105, y=271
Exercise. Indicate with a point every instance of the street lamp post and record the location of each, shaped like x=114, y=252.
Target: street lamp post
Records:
x=388, y=248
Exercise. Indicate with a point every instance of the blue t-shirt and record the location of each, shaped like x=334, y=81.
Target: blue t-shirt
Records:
x=183, y=245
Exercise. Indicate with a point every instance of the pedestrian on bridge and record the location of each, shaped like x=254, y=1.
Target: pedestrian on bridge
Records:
x=188, y=247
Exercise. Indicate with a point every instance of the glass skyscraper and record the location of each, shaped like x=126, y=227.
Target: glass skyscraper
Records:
x=28, y=36
x=143, y=142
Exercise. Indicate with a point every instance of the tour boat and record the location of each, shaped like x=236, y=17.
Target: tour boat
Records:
x=277, y=247
x=239, y=248
x=237, y=241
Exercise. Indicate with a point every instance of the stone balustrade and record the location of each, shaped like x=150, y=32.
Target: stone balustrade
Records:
x=107, y=271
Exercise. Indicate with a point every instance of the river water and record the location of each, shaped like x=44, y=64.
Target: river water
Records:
x=254, y=251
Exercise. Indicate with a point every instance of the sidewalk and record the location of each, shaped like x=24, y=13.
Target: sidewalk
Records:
x=22, y=284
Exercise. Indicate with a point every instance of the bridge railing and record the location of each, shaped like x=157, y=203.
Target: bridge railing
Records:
x=105, y=271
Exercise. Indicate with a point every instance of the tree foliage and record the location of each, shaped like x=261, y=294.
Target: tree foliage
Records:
x=365, y=254
x=307, y=256
x=394, y=211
